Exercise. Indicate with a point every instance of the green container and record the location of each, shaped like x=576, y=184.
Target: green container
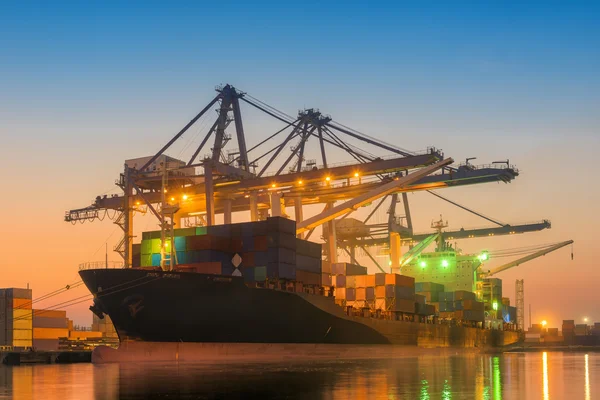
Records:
x=146, y=235
x=146, y=246
x=201, y=230
x=260, y=274
x=184, y=232
x=155, y=245
x=146, y=260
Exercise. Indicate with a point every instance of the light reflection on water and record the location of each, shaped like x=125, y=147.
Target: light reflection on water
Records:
x=427, y=377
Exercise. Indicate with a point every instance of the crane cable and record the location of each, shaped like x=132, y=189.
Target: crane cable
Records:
x=87, y=297
x=49, y=295
x=467, y=209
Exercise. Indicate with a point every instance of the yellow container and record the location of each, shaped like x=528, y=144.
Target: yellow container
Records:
x=22, y=334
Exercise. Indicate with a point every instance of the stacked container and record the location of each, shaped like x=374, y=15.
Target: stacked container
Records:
x=395, y=293
x=16, y=318
x=268, y=250
x=430, y=290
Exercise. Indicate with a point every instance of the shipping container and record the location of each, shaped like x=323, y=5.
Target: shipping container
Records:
x=340, y=293
x=351, y=281
x=473, y=315
x=420, y=299
x=23, y=304
x=146, y=260
x=400, y=292
x=307, y=248
x=473, y=305
x=308, y=278
x=281, y=270
x=22, y=334
x=361, y=294
x=45, y=344
x=260, y=273
x=365, y=280
x=280, y=224
x=446, y=306
x=136, y=249
x=400, y=280
x=17, y=293
x=50, y=333
x=155, y=245
x=281, y=240
x=50, y=313
x=351, y=294
x=248, y=259
x=282, y=255
x=424, y=309
x=464, y=295
x=338, y=280
x=180, y=243
x=446, y=296
x=398, y=305
x=82, y=335
x=156, y=260
x=307, y=263
x=326, y=279
x=348, y=269
x=260, y=243
x=48, y=322
x=183, y=232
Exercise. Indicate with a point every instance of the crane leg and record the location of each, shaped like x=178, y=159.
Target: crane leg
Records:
x=395, y=251
x=299, y=214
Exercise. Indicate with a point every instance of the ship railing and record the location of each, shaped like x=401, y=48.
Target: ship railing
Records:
x=101, y=265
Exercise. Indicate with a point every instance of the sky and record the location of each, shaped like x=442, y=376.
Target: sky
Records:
x=84, y=86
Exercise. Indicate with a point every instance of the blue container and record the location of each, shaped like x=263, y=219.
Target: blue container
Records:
x=261, y=257
x=247, y=243
x=180, y=243
x=182, y=257
x=156, y=260
x=419, y=287
x=458, y=305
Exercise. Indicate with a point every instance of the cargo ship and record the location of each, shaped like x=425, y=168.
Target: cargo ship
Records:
x=256, y=283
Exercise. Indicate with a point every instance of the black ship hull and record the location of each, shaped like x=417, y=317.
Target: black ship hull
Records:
x=184, y=307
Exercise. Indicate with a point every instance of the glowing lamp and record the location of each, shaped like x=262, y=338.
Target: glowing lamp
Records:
x=445, y=263
x=422, y=264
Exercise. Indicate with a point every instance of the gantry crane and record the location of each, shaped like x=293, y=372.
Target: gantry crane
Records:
x=223, y=182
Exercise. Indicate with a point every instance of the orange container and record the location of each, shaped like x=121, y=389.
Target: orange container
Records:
x=399, y=280
x=23, y=304
x=50, y=333
x=50, y=313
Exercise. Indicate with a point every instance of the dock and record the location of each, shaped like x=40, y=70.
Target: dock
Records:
x=45, y=357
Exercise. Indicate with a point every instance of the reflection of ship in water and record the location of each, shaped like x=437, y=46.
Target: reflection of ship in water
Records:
x=459, y=376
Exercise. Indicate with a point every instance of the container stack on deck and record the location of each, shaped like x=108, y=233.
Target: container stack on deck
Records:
x=16, y=318
x=387, y=293
x=268, y=250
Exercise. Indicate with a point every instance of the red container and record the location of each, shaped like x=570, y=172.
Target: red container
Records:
x=260, y=243
x=248, y=259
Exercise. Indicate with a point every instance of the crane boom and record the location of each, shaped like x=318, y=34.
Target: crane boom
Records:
x=529, y=257
x=418, y=249
x=368, y=197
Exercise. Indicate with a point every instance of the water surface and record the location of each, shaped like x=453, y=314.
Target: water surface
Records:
x=461, y=376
